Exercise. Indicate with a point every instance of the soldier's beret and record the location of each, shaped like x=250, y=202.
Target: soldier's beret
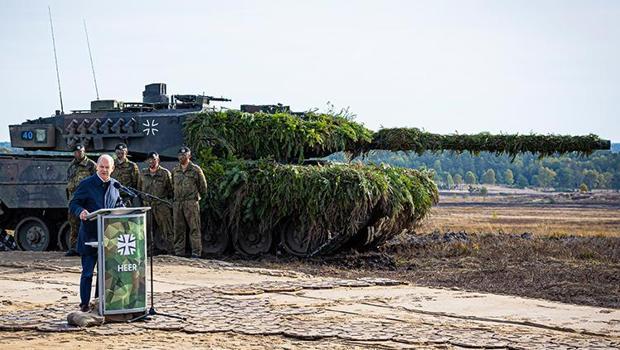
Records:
x=184, y=150
x=79, y=147
x=120, y=146
x=153, y=155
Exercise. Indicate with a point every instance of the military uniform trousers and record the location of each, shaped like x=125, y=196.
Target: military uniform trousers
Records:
x=187, y=216
x=163, y=234
x=74, y=226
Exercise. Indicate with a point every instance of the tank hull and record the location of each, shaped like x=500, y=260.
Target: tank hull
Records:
x=33, y=202
x=33, y=199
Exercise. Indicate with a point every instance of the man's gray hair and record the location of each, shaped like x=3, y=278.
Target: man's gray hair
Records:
x=105, y=156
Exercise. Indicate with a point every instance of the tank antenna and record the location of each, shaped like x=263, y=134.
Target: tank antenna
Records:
x=92, y=66
x=62, y=110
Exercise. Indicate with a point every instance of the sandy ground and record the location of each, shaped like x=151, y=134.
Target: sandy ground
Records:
x=231, y=306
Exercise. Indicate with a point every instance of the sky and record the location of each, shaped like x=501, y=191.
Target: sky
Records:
x=443, y=66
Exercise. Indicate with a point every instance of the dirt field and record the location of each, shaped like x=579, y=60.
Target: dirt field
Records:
x=511, y=272
x=231, y=306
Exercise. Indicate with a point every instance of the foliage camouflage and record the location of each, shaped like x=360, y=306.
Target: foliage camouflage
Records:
x=285, y=137
x=318, y=209
x=315, y=209
x=281, y=136
x=413, y=139
x=124, y=290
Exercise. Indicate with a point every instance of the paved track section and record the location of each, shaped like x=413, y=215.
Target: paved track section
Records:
x=234, y=307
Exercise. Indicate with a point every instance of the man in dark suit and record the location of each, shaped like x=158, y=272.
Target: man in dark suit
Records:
x=93, y=193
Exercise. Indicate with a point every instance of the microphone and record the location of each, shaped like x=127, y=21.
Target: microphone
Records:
x=120, y=187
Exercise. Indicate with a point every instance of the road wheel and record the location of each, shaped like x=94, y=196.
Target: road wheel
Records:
x=32, y=233
x=64, y=236
x=214, y=243
x=250, y=242
x=297, y=240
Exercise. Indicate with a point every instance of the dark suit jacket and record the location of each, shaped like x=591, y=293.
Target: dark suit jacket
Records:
x=91, y=194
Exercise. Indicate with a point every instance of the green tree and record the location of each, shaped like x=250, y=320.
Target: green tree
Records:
x=566, y=178
x=489, y=177
x=484, y=191
x=509, y=177
x=606, y=180
x=449, y=181
x=583, y=188
x=470, y=178
x=592, y=178
x=437, y=166
x=522, y=181
x=615, y=180
x=545, y=177
x=458, y=180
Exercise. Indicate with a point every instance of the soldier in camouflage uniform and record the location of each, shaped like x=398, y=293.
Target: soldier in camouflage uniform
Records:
x=81, y=167
x=126, y=172
x=157, y=181
x=189, y=185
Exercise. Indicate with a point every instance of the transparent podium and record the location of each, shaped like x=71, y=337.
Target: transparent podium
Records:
x=122, y=259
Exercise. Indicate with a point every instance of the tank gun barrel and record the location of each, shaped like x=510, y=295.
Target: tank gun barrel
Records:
x=289, y=138
x=413, y=139
x=219, y=99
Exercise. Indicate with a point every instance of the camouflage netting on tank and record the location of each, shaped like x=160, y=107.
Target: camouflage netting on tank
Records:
x=412, y=139
x=281, y=136
x=313, y=209
x=286, y=137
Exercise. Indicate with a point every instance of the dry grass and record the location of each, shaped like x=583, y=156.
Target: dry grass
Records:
x=576, y=270
x=561, y=219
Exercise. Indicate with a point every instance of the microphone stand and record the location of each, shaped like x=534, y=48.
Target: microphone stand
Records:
x=143, y=195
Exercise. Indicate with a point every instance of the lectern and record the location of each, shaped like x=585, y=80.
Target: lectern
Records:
x=122, y=259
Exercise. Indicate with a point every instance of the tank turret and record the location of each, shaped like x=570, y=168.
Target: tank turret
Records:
x=155, y=124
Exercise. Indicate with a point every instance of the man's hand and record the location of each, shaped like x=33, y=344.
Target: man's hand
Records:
x=83, y=214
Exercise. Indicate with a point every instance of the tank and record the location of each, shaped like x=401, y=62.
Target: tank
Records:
x=269, y=190
x=264, y=198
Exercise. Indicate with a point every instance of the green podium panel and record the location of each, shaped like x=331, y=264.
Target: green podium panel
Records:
x=122, y=262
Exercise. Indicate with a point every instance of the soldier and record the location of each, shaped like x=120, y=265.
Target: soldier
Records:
x=81, y=167
x=125, y=171
x=157, y=181
x=189, y=185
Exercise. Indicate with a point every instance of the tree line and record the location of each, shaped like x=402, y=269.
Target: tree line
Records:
x=600, y=170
